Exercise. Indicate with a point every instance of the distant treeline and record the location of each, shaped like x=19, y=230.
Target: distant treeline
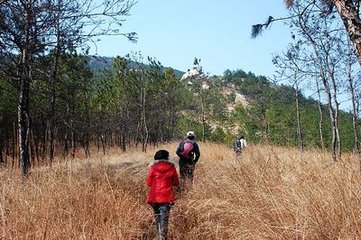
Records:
x=130, y=104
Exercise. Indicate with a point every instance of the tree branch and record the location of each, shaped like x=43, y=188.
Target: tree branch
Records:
x=258, y=28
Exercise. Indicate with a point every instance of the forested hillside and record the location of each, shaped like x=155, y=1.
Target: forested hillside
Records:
x=241, y=103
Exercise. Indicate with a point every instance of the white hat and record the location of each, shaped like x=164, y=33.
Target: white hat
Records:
x=190, y=134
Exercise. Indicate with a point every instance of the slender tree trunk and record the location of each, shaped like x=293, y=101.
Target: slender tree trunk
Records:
x=72, y=138
x=86, y=145
x=1, y=154
x=66, y=134
x=66, y=147
x=7, y=152
x=354, y=110
x=298, y=115
x=144, y=121
x=50, y=137
x=123, y=131
x=1, y=147
x=24, y=74
x=333, y=122
x=203, y=118
x=357, y=111
x=36, y=146
x=32, y=147
x=173, y=121
x=53, y=78
x=288, y=137
x=2, y=140
x=15, y=144
x=335, y=110
x=102, y=139
x=339, y=149
x=23, y=123
x=333, y=115
x=123, y=142
x=51, y=126
x=320, y=122
x=203, y=123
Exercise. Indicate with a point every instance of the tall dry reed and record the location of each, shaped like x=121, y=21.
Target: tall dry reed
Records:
x=268, y=193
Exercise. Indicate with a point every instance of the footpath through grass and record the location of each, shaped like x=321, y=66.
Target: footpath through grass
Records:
x=272, y=193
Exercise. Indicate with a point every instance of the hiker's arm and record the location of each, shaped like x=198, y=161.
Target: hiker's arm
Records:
x=196, y=152
x=175, y=181
x=179, y=149
x=150, y=177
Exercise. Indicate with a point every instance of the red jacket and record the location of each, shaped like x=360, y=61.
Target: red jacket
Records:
x=162, y=176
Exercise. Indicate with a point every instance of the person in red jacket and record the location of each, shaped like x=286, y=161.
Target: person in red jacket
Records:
x=162, y=176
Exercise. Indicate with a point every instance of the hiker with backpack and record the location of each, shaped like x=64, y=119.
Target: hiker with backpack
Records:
x=162, y=176
x=239, y=145
x=188, y=153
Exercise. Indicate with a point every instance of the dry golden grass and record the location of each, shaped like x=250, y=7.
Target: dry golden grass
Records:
x=270, y=193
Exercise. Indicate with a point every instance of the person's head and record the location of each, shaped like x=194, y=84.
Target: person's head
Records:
x=161, y=155
x=190, y=135
x=238, y=137
x=241, y=137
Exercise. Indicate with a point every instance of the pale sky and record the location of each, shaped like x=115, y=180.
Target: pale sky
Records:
x=218, y=32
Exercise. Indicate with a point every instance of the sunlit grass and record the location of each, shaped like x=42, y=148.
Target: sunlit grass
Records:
x=269, y=193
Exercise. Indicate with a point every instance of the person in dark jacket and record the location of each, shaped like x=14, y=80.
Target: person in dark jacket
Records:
x=188, y=153
x=162, y=176
x=239, y=145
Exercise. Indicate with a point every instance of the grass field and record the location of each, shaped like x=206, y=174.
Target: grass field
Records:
x=270, y=193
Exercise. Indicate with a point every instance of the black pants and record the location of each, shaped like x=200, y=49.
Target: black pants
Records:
x=161, y=214
x=186, y=169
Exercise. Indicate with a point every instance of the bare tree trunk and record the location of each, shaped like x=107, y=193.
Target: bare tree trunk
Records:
x=335, y=110
x=86, y=145
x=36, y=146
x=72, y=138
x=123, y=136
x=123, y=143
x=50, y=136
x=1, y=147
x=66, y=147
x=24, y=74
x=144, y=120
x=333, y=124
x=102, y=139
x=354, y=110
x=298, y=115
x=203, y=123
x=53, y=78
x=15, y=144
x=320, y=122
x=32, y=148
x=23, y=124
x=333, y=114
x=339, y=150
